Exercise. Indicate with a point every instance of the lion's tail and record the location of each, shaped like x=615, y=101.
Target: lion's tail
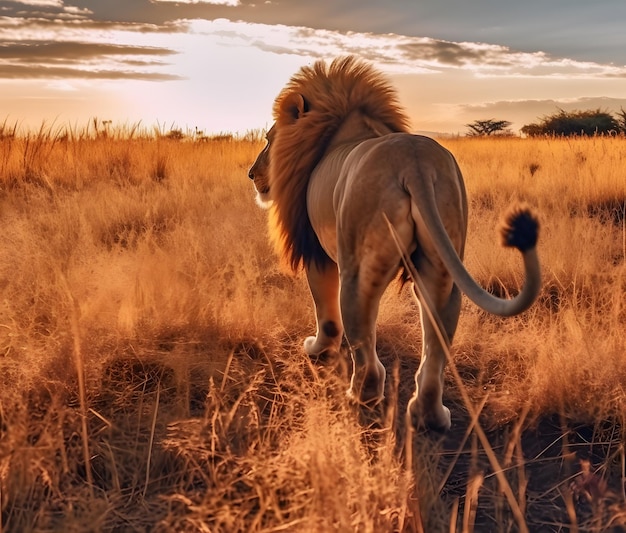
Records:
x=520, y=230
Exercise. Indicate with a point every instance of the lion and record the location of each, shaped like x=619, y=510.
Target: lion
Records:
x=339, y=166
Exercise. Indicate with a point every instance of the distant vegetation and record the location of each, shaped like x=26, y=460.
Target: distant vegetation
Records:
x=573, y=123
x=105, y=129
x=484, y=128
x=559, y=124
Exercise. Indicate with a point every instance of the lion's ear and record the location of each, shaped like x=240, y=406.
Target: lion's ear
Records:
x=293, y=106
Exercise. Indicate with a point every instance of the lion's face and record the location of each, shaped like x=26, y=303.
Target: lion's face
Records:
x=259, y=171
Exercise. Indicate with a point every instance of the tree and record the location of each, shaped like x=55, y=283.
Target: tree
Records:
x=568, y=124
x=621, y=120
x=481, y=128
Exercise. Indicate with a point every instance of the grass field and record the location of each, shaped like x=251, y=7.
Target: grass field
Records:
x=152, y=378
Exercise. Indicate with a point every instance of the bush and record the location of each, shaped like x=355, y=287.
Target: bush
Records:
x=568, y=124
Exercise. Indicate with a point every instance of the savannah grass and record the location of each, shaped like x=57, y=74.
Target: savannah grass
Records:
x=139, y=266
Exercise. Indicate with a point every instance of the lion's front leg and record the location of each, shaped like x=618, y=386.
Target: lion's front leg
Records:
x=324, y=287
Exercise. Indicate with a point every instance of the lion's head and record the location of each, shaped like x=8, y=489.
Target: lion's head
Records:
x=307, y=114
x=259, y=172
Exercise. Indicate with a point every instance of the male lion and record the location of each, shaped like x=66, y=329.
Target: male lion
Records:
x=338, y=165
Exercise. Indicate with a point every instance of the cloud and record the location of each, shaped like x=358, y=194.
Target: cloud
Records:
x=42, y=3
x=56, y=9
x=63, y=52
x=53, y=47
x=446, y=53
x=62, y=86
x=50, y=43
x=546, y=106
x=404, y=54
x=521, y=112
x=53, y=26
x=25, y=72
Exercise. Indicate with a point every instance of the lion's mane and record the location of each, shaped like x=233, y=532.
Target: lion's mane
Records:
x=331, y=93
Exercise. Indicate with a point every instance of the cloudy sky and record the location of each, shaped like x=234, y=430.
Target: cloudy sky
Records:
x=217, y=65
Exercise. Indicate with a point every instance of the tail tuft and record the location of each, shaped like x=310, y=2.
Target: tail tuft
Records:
x=520, y=228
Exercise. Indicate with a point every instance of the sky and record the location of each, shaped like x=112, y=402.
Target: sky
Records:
x=217, y=65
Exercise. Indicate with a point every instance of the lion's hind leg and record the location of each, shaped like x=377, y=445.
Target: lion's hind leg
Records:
x=426, y=408
x=364, y=278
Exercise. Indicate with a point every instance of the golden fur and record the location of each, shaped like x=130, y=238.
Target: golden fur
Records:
x=338, y=168
x=332, y=92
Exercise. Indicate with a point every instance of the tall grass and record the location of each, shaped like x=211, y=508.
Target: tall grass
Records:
x=139, y=264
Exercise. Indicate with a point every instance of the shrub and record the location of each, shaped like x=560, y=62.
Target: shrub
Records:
x=568, y=124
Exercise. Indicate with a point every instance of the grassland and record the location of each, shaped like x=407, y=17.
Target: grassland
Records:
x=151, y=376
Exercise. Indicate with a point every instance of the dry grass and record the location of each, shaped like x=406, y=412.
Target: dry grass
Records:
x=151, y=376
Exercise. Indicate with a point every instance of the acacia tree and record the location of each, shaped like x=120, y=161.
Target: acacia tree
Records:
x=481, y=128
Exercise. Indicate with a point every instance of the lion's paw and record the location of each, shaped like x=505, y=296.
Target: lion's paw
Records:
x=310, y=346
x=368, y=386
x=437, y=418
x=313, y=348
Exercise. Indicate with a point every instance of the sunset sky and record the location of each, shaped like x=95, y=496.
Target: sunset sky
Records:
x=217, y=65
